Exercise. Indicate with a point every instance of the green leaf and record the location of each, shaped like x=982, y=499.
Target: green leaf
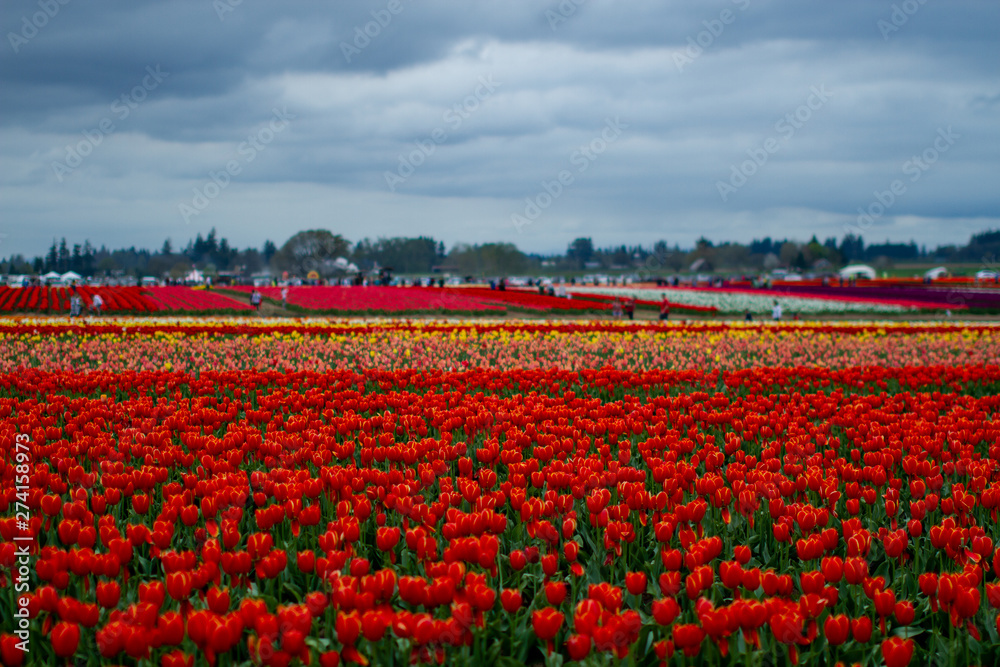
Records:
x=907, y=632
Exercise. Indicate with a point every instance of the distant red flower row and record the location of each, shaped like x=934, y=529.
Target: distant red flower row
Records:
x=134, y=300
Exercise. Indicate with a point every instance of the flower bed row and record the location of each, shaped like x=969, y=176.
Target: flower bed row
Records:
x=265, y=517
x=648, y=300
x=57, y=299
x=759, y=302
x=117, y=300
x=350, y=300
x=230, y=343
x=184, y=299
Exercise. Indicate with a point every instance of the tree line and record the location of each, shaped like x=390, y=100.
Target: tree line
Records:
x=320, y=250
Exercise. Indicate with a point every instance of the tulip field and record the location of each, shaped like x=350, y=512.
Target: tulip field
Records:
x=230, y=492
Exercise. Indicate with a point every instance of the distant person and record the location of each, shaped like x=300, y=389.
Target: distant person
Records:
x=776, y=312
x=748, y=317
x=284, y=296
x=630, y=308
x=255, y=299
x=616, y=309
x=664, y=309
x=96, y=304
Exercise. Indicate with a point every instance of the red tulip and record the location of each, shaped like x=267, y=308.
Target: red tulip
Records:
x=904, y=612
x=108, y=594
x=329, y=659
x=177, y=658
x=885, y=603
x=11, y=654
x=855, y=570
x=140, y=503
x=578, y=646
x=555, y=592
x=967, y=602
x=293, y=641
x=550, y=563
x=742, y=554
x=731, y=574
x=348, y=628
x=993, y=595
x=218, y=600
x=65, y=638
x=665, y=611
x=833, y=569
x=836, y=629
x=546, y=623
x=861, y=629
x=306, y=561
x=635, y=582
x=897, y=651
x=751, y=579
x=510, y=600
x=670, y=583
x=688, y=637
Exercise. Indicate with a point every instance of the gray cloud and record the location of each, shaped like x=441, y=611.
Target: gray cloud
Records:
x=357, y=115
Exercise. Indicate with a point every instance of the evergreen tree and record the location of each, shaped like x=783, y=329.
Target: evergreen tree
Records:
x=63, y=260
x=268, y=251
x=52, y=259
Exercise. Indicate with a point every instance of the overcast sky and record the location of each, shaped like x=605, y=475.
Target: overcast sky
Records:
x=521, y=121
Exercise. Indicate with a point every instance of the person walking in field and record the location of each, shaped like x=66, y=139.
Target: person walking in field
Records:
x=255, y=299
x=284, y=296
x=630, y=308
x=96, y=304
x=776, y=311
x=616, y=309
x=664, y=309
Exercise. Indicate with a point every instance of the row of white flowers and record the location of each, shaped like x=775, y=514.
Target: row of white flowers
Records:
x=738, y=302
